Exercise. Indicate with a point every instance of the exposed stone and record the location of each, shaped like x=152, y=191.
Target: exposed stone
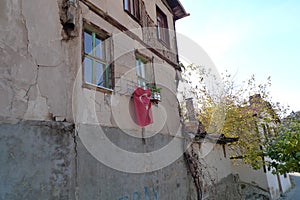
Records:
x=232, y=188
x=54, y=89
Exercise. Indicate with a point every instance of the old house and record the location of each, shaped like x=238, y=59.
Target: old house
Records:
x=71, y=123
x=70, y=128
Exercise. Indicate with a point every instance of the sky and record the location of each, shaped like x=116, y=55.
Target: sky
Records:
x=249, y=37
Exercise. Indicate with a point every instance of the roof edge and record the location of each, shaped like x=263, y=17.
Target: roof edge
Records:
x=177, y=9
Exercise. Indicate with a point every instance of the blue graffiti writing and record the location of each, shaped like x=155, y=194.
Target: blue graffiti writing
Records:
x=136, y=196
x=149, y=194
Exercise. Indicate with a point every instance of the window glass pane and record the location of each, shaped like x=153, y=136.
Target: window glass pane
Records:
x=162, y=27
x=99, y=74
x=159, y=26
x=137, y=64
x=141, y=82
x=87, y=43
x=126, y=6
x=142, y=70
x=148, y=73
x=164, y=36
x=131, y=7
x=158, y=20
x=88, y=65
x=100, y=49
x=144, y=86
x=159, y=33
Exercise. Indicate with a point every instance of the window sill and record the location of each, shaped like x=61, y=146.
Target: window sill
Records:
x=97, y=88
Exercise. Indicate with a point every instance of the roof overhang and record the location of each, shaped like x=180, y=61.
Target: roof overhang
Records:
x=177, y=9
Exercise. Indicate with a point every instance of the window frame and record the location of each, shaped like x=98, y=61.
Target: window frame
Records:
x=101, y=34
x=147, y=63
x=133, y=9
x=163, y=34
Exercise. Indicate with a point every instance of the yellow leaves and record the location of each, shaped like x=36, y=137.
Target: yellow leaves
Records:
x=238, y=110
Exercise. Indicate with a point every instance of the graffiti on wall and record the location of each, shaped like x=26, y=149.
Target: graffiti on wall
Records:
x=150, y=193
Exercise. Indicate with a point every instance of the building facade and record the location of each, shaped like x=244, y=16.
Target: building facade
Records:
x=68, y=121
x=69, y=129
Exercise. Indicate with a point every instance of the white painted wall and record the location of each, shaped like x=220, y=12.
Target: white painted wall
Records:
x=215, y=159
x=273, y=185
x=248, y=175
x=285, y=182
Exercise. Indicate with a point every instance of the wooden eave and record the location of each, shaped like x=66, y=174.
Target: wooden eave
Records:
x=177, y=9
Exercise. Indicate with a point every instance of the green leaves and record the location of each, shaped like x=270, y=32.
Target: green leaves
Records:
x=286, y=148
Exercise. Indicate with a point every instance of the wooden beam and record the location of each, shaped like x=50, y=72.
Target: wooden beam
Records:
x=122, y=28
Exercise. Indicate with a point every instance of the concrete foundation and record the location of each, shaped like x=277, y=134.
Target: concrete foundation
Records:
x=46, y=160
x=37, y=160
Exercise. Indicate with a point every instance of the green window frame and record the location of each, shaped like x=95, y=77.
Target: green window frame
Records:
x=97, y=70
x=144, y=70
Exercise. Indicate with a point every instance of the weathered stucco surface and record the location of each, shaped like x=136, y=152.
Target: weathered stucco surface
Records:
x=35, y=81
x=97, y=181
x=231, y=187
x=46, y=160
x=37, y=160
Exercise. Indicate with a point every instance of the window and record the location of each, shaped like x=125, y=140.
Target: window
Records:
x=144, y=72
x=132, y=7
x=162, y=27
x=97, y=70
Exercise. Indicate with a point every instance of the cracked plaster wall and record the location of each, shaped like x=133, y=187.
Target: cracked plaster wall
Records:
x=38, y=67
x=35, y=82
x=221, y=180
x=231, y=187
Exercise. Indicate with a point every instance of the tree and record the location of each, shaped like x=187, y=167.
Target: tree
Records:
x=285, y=149
x=235, y=110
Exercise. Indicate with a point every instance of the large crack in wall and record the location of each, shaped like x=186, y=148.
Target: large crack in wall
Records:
x=36, y=71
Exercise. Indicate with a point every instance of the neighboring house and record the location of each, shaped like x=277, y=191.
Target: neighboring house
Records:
x=213, y=167
x=263, y=178
x=209, y=159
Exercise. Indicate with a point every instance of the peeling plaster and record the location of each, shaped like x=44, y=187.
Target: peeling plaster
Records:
x=30, y=47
